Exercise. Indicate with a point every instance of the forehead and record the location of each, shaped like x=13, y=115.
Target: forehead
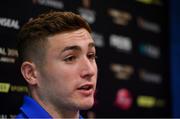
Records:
x=82, y=33
x=78, y=37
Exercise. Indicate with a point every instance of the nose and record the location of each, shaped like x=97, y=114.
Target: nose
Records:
x=88, y=68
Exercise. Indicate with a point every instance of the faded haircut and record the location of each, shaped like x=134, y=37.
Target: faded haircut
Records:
x=33, y=35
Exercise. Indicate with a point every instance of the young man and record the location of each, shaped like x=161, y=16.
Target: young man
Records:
x=57, y=55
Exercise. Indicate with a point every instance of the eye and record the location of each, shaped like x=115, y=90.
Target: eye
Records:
x=69, y=59
x=92, y=56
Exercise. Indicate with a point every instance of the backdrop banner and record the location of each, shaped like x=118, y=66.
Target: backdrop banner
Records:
x=132, y=41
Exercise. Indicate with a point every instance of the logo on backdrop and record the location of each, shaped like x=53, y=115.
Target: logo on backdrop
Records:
x=4, y=87
x=121, y=43
x=123, y=99
x=149, y=50
x=8, y=55
x=150, y=76
x=146, y=101
x=88, y=15
x=122, y=71
x=7, y=87
x=50, y=3
x=9, y=23
x=86, y=3
x=150, y=2
x=148, y=25
x=120, y=17
x=98, y=39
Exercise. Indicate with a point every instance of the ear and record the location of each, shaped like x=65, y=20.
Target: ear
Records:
x=29, y=72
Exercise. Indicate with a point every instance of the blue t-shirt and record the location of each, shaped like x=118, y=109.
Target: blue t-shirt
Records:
x=31, y=109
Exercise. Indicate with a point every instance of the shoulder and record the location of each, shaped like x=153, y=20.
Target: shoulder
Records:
x=31, y=109
x=21, y=115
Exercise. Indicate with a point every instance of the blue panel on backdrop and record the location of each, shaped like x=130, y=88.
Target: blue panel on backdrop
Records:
x=175, y=51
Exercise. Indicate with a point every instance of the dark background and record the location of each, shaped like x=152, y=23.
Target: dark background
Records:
x=137, y=47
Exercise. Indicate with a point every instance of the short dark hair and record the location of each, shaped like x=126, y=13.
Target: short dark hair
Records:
x=33, y=35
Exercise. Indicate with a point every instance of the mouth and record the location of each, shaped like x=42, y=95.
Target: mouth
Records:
x=86, y=89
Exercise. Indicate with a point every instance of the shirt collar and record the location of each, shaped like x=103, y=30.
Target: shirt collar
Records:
x=33, y=110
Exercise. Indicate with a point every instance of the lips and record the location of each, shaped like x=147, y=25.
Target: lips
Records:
x=86, y=89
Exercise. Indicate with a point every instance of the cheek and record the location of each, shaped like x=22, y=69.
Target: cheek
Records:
x=61, y=75
x=65, y=77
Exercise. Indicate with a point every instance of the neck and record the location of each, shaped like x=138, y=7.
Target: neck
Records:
x=56, y=112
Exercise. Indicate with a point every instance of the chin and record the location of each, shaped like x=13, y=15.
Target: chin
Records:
x=85, y=105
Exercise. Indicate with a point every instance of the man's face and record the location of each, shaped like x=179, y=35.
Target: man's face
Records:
x=68, y=78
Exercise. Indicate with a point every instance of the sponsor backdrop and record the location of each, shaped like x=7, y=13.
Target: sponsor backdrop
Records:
x=132, y=41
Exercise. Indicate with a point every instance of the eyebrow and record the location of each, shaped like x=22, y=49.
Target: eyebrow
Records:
x=74, y=47
x=78, y=48
x=91, y=45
